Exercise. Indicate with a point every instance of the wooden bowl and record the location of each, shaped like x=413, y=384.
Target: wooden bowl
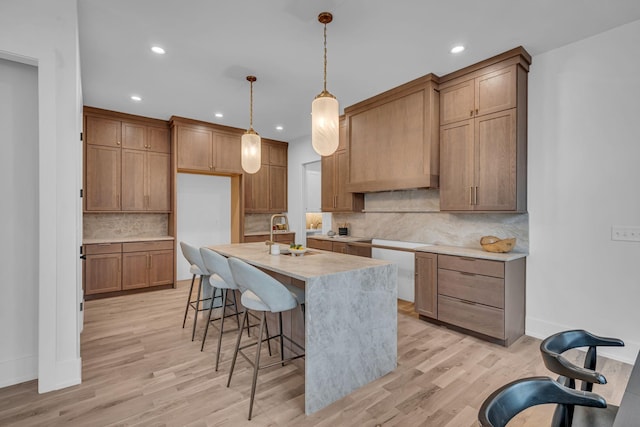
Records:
x=495, y=244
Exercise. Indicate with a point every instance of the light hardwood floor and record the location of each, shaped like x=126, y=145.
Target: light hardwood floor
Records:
x=141, y=368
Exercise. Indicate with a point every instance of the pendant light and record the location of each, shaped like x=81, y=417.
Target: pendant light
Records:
x=324, y=109
x=251, y=141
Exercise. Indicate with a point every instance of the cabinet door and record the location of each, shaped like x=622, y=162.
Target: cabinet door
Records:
x=344, y=200
x=456, y=166
x=257, y=190
x=426, y=284
x=158, y=181
x=495, y=154
x=195, y=149
x=340, y=247
x=278, y=189
x=134, y=136
x=278, y=155
x=457, y=102
x=228, y=153
x=103, y=132
x=359, y=250
x=285, y=238
x=328, y=200
x=324, y=245
x=102, y=184
x=495, y=91
x=158, y=140
x=160, y=268
x=102, y=273
x=135, y=270
x=133, y=180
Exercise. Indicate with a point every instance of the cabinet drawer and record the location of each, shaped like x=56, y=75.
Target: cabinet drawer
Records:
x=324, y=245
x=472, y=265
x=102, y=248
x=147, y=246
x=476, y=317
x=471, y=287
x=284, y=238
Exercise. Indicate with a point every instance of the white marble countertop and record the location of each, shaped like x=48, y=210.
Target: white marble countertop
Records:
x=125, y=239
x=338, y=238
x=314, y=263
x=471, y=252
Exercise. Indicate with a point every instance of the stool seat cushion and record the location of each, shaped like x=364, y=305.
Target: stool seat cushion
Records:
x=217, y=282
x=253, y=302
x=195, y=270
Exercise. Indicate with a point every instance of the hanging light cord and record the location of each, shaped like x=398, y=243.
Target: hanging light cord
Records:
x=325, y=57
x=251, y=107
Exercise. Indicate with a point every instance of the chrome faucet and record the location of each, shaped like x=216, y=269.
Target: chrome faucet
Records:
x=273, y=217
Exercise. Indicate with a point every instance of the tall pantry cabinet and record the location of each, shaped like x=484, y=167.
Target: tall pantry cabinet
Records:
x=483, y=135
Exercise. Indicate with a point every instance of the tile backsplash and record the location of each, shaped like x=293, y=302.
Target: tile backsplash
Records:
x=106, y=225
x=414, y=216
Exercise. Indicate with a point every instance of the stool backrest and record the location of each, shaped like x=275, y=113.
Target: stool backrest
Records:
x=272, y=293
x=217, y=264
x=509, y=400
x=192, y=254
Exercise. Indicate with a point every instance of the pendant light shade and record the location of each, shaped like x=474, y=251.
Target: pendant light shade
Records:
x=324, y=124
x=251, y=150
x=325, y=110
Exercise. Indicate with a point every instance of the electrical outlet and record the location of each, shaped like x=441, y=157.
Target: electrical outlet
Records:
x=625, y=233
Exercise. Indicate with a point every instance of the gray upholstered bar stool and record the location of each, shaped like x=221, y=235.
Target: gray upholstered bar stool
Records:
x=264, y=294
x=220, y=278
x=193, y=257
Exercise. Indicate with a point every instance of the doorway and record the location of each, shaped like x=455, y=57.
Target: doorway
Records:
x=19, y=227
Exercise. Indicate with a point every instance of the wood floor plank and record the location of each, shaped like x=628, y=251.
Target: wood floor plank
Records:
x=140, y=368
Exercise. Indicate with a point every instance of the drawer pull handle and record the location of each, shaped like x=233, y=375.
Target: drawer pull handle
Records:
x=466, y=274
x=467, y=302
x=467, y=259
x=104, y=244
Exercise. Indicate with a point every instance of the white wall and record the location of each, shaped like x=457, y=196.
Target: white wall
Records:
x=300, y=152
x=19, y=225
x=44, y=33
x=204, y=213
x=584, y=153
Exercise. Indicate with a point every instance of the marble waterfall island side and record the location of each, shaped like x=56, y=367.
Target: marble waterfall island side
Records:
x=351, y=323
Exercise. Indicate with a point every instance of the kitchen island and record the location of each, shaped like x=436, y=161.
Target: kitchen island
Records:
x=351, y=327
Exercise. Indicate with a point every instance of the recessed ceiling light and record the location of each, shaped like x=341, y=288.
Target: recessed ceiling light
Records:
x=279, y=127
x=219, y=115
x=136, y=98
x=158, y=50
x=457, y=49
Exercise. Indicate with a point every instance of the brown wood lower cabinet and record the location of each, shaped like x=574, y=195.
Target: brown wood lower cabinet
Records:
x=116, y=267
x=340, y=247
x=482, y=297
x=102, y=268
x=284, y=238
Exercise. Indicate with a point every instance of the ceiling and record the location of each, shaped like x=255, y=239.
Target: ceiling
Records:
x=373, y=45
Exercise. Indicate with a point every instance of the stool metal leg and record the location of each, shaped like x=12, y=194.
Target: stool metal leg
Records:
x=195, y=317
x=256, y=365
x=281, y=339
x=235, y=305
x=224, y=306
x=186, y=309
x=235, y=353
x=206, y=328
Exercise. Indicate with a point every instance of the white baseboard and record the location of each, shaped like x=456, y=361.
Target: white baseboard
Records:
x=541, y=329
x=16, y=371
x=67, y=373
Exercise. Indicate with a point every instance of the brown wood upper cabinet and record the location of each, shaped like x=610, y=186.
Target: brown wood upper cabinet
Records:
x=266, y=190
x=483, y=135
x=393, y=138
x=335, y=175
x=207, y=148
x=127, y=163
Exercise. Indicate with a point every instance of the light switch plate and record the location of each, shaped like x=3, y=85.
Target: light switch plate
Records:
x=625, y=233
